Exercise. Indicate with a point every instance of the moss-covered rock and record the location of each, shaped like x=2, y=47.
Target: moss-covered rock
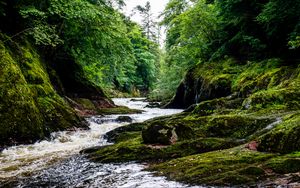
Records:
x=201, y=85
x=159, y=134
x=217, y=105
x=235, y=126
x=284, y=164
x=29, y=106
x=118, y=110
x=260, y=84
x=284, y=138
x=227, y=167
x=130, y=146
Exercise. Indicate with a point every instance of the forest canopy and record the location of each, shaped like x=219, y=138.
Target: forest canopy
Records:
x=113, y=51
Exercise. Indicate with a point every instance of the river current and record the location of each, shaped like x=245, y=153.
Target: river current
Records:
x=56, y=162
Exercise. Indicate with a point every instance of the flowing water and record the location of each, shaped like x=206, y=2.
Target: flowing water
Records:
x=57, y=163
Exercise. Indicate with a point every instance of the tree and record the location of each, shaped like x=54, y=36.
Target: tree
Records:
x=281, y=23
x=148, y=24
x=190, y=29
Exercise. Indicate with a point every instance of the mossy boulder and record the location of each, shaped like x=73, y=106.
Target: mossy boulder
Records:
x=118, y=110
x=247, y=135
x=159, y=134
x=284, y=138
x=236, y=126
x=236, y=166
x=217, y=105
x=113, y=135
x=260, y=84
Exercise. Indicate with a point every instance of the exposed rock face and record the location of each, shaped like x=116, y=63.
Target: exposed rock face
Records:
x=30, y=108
x=32, y=95
x=193, y=90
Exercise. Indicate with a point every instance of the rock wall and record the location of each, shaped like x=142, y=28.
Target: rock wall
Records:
x=30, y=107
x=257, y=84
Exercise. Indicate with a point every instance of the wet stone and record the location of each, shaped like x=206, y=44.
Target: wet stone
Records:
x=124, y=119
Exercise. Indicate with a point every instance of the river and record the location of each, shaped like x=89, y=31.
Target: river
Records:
x=56, y=162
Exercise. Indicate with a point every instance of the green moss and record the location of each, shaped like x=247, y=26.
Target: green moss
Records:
x=284, y=165
x=214, y=168
x=284, y=138
x=217, y=105
x=58, y=115
x=255, y=76
x=253, y=170
x=118, y=110
x=29, y=106
x=19, y=115
x=262, y=93
x=282, y=99
x=130, y=147
x=236, y=126
x=86, y=103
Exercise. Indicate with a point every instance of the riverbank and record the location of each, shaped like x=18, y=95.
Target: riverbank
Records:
x=244, y=131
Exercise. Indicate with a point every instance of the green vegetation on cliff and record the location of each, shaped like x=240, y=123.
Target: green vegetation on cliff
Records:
x=30, y=108
x=210, y=31
x=80, y=50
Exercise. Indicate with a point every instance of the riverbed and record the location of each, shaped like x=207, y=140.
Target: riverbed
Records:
x=56, y=162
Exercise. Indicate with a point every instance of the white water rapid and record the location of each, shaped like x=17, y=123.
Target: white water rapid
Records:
x=57, y=163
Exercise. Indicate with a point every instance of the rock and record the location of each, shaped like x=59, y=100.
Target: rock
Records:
x=159, y=134
x=124, y=119
x=191, y=108
x=134, y=127
x=153, y=105
x=184, y=132
x=194, y=89
x=30, y=107
x=284, y=138
x=91, y=149
x=138, y=100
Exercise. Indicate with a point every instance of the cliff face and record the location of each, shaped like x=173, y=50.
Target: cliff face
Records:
x=30, y=107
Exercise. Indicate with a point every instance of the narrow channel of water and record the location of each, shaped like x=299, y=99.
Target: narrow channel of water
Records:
x=56, y=162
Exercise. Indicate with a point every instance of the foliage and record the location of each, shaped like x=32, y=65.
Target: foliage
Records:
x=201, y=31
x=2, y=7
x=190, y=30
x=94, y=35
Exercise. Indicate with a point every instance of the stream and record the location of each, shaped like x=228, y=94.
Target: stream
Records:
x=56, y=162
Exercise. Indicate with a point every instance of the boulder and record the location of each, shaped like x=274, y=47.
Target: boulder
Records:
x=124, y=119
x=159, y=134
x=153, y=105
